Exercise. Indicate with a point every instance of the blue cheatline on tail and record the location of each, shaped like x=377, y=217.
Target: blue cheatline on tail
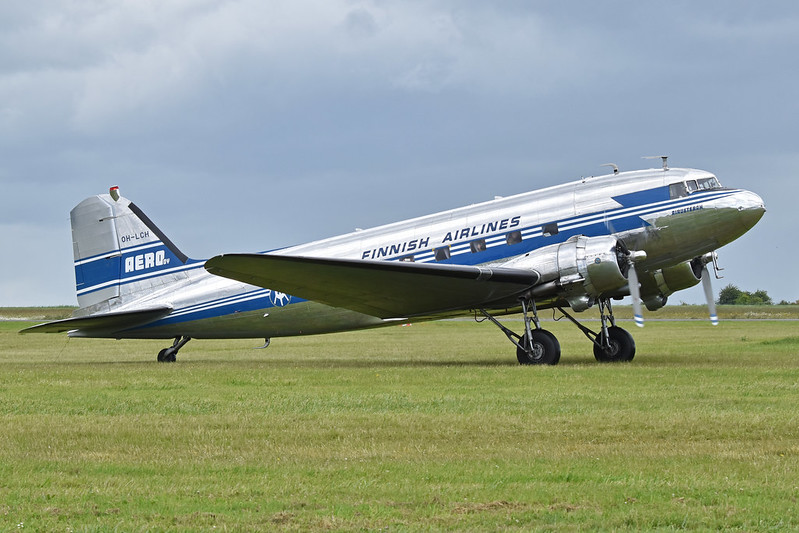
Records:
x=120, y=255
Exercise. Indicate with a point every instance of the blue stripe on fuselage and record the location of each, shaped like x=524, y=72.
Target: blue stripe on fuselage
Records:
x=641, y=198
x=255, y=300
x=628, y=217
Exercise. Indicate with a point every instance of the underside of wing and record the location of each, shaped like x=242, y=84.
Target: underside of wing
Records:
x=386, y=289
x=103, y=322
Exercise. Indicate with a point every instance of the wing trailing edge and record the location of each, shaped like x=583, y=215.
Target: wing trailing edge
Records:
x=103, y=322
x=385, y=289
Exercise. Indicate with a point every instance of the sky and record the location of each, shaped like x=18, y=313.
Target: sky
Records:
x=242, y=126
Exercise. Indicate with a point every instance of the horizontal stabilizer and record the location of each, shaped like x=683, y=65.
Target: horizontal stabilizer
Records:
x=105, y=322
x=385, y=289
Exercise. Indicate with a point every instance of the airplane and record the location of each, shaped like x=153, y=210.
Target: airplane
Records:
x=644, y=233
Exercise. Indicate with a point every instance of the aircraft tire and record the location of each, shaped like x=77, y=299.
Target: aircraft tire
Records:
x=546, y=349
x=167, y=356
x=622, y=346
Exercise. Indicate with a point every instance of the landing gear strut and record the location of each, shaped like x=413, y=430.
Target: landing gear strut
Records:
x=169, y=355
x=612, y=344
x=536, y=346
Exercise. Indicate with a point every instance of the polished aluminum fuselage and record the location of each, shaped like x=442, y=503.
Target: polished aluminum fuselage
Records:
x=630, y=205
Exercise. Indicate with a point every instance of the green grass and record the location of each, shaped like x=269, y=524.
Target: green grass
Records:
x=36, y=313
x=428, y=427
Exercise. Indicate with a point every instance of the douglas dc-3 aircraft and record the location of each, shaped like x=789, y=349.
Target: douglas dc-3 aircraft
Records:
x=643, y=233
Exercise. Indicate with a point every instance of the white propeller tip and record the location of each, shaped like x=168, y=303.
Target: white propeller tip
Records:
x=639, y=320
x=714, y=320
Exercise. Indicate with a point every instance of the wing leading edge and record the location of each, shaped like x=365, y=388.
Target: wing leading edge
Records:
x=385, y=289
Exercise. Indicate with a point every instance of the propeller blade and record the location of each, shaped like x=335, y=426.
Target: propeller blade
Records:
x=711, y=304
x=635, y=294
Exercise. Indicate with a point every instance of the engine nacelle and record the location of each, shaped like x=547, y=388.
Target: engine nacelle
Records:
x=657, y=287
x=579, y=270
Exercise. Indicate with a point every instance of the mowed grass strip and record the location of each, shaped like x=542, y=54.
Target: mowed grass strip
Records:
x=428, y=427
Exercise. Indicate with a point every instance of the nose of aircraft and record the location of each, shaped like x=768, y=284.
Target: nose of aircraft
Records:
x=751, y=208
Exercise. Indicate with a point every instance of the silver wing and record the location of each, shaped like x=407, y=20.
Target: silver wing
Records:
x=385, y=289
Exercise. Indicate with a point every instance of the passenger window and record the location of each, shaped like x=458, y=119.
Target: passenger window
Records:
x=407, y=259
x=442, y=253
x=514, y=237
x=478, y=246
x=550, y=229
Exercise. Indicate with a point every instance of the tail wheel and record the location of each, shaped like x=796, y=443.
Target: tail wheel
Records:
x=619, y=347
x=170, y=355
x=545, y=349
x=167, y=355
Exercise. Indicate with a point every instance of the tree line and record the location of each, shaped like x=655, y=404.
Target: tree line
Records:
x=732, y=295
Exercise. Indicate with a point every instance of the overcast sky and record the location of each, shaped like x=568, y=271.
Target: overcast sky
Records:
x=249, y=125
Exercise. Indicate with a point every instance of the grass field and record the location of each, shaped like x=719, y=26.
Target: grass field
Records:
x=428, y=427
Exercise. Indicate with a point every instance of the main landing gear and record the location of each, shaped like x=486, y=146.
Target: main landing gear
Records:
x=538, y=346
x=169, y=355
x=612, y=344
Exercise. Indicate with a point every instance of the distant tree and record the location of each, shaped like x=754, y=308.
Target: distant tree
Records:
x=745, y=298
x=761, y=297
x=732, y=295
x=729, y=295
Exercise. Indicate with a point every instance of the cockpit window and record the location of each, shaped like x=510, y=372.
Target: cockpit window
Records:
x=708, y=183
x=684, y=188
x=677, y=190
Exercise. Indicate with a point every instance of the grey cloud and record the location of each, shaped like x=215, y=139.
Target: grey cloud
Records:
x=249, y=125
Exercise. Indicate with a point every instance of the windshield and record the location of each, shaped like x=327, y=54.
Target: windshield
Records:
x=684, y=188
x=708, y=183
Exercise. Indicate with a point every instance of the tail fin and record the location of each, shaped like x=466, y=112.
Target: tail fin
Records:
x=120, y=255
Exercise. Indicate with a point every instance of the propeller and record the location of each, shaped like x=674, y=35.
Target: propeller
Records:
x=708, y=287
x=635, y=288
x=635, y=294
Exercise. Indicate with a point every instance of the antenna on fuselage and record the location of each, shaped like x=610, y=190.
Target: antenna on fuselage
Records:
x=615, y=167
x=665, y=159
